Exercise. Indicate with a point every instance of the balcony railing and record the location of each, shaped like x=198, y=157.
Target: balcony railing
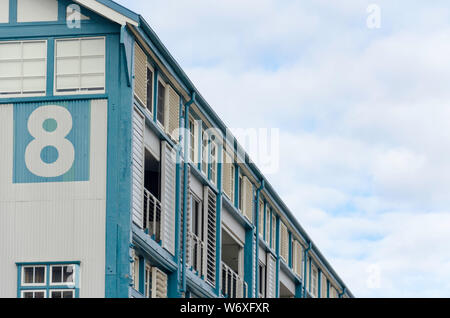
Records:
x=196, y=248
x=152, y=216
x=233, y=286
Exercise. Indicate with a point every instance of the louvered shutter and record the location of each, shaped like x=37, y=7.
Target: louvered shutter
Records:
x=140, y=74
x=261, y=218
x=138, y=167
x=274, y=231
x=159, y=283
x=173, y=113
x=227, y=171
x=271, y=276
x=168, y=197
x=188, y=215
x=284, y=253
x=314, y=280
x=209, y=205
x=255, y=264
x=323, y=289
x=248, y=199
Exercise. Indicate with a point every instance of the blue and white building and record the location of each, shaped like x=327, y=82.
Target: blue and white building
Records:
x=111, y=182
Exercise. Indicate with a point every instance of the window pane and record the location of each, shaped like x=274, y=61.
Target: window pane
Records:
x=28, y=275
x=10, y=86
x=67, y=48
x=68, y=66
x=68, y=294
x=55, y=294
x=39, y=275
x=10, y=69
x=34, y=68
x=92, y=47
x=35, y=85
x=68, y=82
x=92, y=81
x=28, y=295
x=57, y=274
x=10, y=50
x=39, y=294
x=33, y=50
x=68, y=274
x=161, y=102
x=92, y=65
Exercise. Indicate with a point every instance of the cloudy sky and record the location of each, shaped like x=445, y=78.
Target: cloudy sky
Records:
x=363, y=115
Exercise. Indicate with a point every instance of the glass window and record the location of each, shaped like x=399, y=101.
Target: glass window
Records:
x=62, y=294
x=23, y=68
x=149, y=89
x=33, y=294
x=80, y=66
x=33, y=275
x=62, y=274
x=161, y=102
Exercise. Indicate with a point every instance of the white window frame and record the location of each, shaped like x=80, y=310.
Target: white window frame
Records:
x=22, y=293
x=147, y=279
x=51, y=283
x=34, y=271
x=22, y=94
x=262, y=284
x=61, y=290
x=214, y=161
x=78, y=91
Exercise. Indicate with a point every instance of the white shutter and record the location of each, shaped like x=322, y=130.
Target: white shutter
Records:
x=255, y=264
x=138, y=167
x=168, y=197
x=271, y=276
x=227, y=177
x=209, y=205
x=159, y=283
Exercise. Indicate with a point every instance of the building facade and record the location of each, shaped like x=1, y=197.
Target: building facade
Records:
x=115, y=176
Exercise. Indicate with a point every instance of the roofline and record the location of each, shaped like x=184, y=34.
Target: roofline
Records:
x=111, y=10
x=200, y=100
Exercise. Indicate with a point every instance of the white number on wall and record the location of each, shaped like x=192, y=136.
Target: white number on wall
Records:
x=55, y=138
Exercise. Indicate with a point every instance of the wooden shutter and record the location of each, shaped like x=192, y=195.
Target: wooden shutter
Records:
x=209, y=206
x=271, y=276
x=284, y=248
x=159, y=283
x=227, y=174
x=140, y=74
x=168, y=197
x=187, y=213
x=138, y=167
x=323, y=289
x=172, y=121
x=248, y=198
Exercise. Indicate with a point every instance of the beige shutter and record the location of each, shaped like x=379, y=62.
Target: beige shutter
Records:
x=274, y=231
x=284, y=248
x=227, y=171
x=159, y=283
x=267, y=224
x=323, y=290
x=248, y=199
x=173, y=113
x=140, y=74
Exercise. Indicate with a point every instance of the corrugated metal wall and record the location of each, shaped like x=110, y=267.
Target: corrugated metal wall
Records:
x=54, y=221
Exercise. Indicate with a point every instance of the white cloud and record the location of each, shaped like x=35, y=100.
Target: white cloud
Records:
x=363, y=116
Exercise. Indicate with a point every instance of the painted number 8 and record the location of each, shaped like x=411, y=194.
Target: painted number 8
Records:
x=49, y=126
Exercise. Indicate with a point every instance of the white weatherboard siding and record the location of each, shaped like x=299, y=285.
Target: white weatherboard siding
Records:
x=4, y=12
x=37, y=10
x=62, y=221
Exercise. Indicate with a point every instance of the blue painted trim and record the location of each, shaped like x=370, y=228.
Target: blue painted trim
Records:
x=258, y=191
x=319, y=283
x=50, y=66
x=277, y=251
x=12, y=12
x=310, y=274
x=219, y=224
x=141, y=274
x=265, y=222
x=290, y=250
x=328, y=288
x=236, y=185
x=50, y=98
x=118, y=195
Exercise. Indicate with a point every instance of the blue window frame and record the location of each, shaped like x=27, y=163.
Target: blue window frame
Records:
x=48, y=280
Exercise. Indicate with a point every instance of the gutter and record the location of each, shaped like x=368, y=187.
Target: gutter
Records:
x=185, y=184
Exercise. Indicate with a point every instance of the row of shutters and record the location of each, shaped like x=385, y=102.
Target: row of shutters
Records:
x=172, y=99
